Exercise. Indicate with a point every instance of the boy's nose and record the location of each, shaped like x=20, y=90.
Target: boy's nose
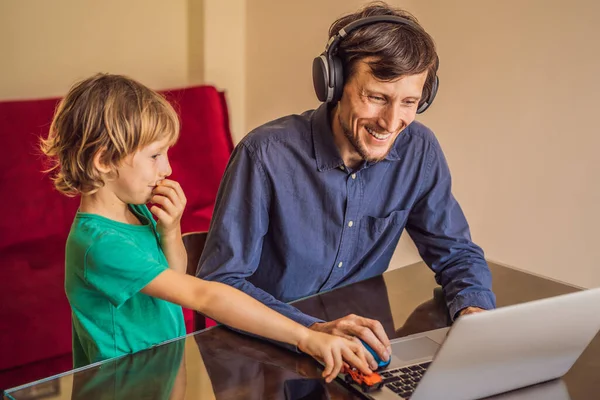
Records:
x=167, y=171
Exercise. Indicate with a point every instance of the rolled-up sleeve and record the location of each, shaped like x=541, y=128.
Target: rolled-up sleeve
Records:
x=441, y=233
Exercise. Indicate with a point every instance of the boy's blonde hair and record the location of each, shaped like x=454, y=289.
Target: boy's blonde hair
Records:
x=109, y=113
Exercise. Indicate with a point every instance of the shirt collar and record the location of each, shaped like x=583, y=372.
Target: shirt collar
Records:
x=326, y=152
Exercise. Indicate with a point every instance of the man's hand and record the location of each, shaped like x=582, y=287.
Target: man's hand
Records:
x=353, y=327
x=171, y=199
x=470, y=310
x=334, y=352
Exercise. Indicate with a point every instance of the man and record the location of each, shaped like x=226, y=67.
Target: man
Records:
x=314, y=201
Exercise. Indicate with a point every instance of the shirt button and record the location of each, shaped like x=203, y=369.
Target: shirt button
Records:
x=342, y=168
x=353, y=176
x=350, y=224
x=340, y=264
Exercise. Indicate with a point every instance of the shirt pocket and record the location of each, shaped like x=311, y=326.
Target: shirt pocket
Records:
x=376, y=227
x=378, y=236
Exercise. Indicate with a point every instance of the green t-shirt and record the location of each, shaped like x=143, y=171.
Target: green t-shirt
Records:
x=107, y=264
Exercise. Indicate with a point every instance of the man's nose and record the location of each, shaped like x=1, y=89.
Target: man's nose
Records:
x=391, y=118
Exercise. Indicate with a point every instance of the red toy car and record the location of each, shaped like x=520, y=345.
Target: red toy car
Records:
x=366, y=382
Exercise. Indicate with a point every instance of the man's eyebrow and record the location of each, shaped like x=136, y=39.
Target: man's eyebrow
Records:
x=374, y=91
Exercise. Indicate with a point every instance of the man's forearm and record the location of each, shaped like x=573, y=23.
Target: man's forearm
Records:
x=467, y=283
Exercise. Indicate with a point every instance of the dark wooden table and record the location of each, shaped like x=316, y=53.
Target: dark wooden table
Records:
x=218, y=363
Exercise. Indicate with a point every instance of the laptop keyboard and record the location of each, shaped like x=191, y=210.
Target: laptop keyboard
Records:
x=403, y=381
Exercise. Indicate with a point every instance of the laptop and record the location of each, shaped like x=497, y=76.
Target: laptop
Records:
x=492, y=352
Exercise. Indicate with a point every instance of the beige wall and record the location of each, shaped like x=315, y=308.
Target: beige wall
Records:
x=225, y=56
x=46, y=45
x=516, y=115
x=517, y=118
x=282, y=39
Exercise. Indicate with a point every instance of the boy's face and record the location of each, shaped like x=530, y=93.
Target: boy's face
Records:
x=140, y=172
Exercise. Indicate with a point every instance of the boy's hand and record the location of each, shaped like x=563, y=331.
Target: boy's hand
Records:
x=169, y=196
x=354, y=327
x=334, y=352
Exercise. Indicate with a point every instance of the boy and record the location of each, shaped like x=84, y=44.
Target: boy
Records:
x=125, y=273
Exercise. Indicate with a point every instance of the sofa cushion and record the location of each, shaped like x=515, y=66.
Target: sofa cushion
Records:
x=35, y=313
x=201, y=154
x=33, y=209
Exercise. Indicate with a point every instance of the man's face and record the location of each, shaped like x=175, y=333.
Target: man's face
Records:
x=372, y=113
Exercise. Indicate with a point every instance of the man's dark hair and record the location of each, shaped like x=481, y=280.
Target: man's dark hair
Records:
x=395, y=49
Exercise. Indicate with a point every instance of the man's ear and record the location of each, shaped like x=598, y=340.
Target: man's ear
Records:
x=100, y=166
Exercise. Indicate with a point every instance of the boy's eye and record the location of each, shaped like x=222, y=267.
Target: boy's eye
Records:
x=155, y=156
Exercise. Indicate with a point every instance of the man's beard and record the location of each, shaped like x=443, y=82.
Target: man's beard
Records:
x=359, y=146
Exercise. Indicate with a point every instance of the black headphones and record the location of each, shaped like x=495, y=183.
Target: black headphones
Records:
x=327, y=70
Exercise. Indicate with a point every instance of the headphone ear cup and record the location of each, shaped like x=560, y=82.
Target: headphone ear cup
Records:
x=427, y=103
x=338, y=79
x=320, y=77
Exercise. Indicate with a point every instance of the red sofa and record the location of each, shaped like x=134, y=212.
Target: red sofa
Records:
x=35, y=319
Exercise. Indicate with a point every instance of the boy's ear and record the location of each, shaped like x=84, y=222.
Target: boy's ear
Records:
x=99, y=164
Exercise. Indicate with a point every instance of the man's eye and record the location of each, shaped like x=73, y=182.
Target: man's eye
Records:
x=377, y=98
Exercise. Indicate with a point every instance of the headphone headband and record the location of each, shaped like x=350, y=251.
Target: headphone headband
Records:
x=328, y=70
x=342, y=33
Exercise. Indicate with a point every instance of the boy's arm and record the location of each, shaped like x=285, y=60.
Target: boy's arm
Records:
x=240, y=311
x=174, y=251
x=171, y=199
x=226, y=305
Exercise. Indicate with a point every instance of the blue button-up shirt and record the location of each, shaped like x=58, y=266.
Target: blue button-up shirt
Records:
x=292, y=220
